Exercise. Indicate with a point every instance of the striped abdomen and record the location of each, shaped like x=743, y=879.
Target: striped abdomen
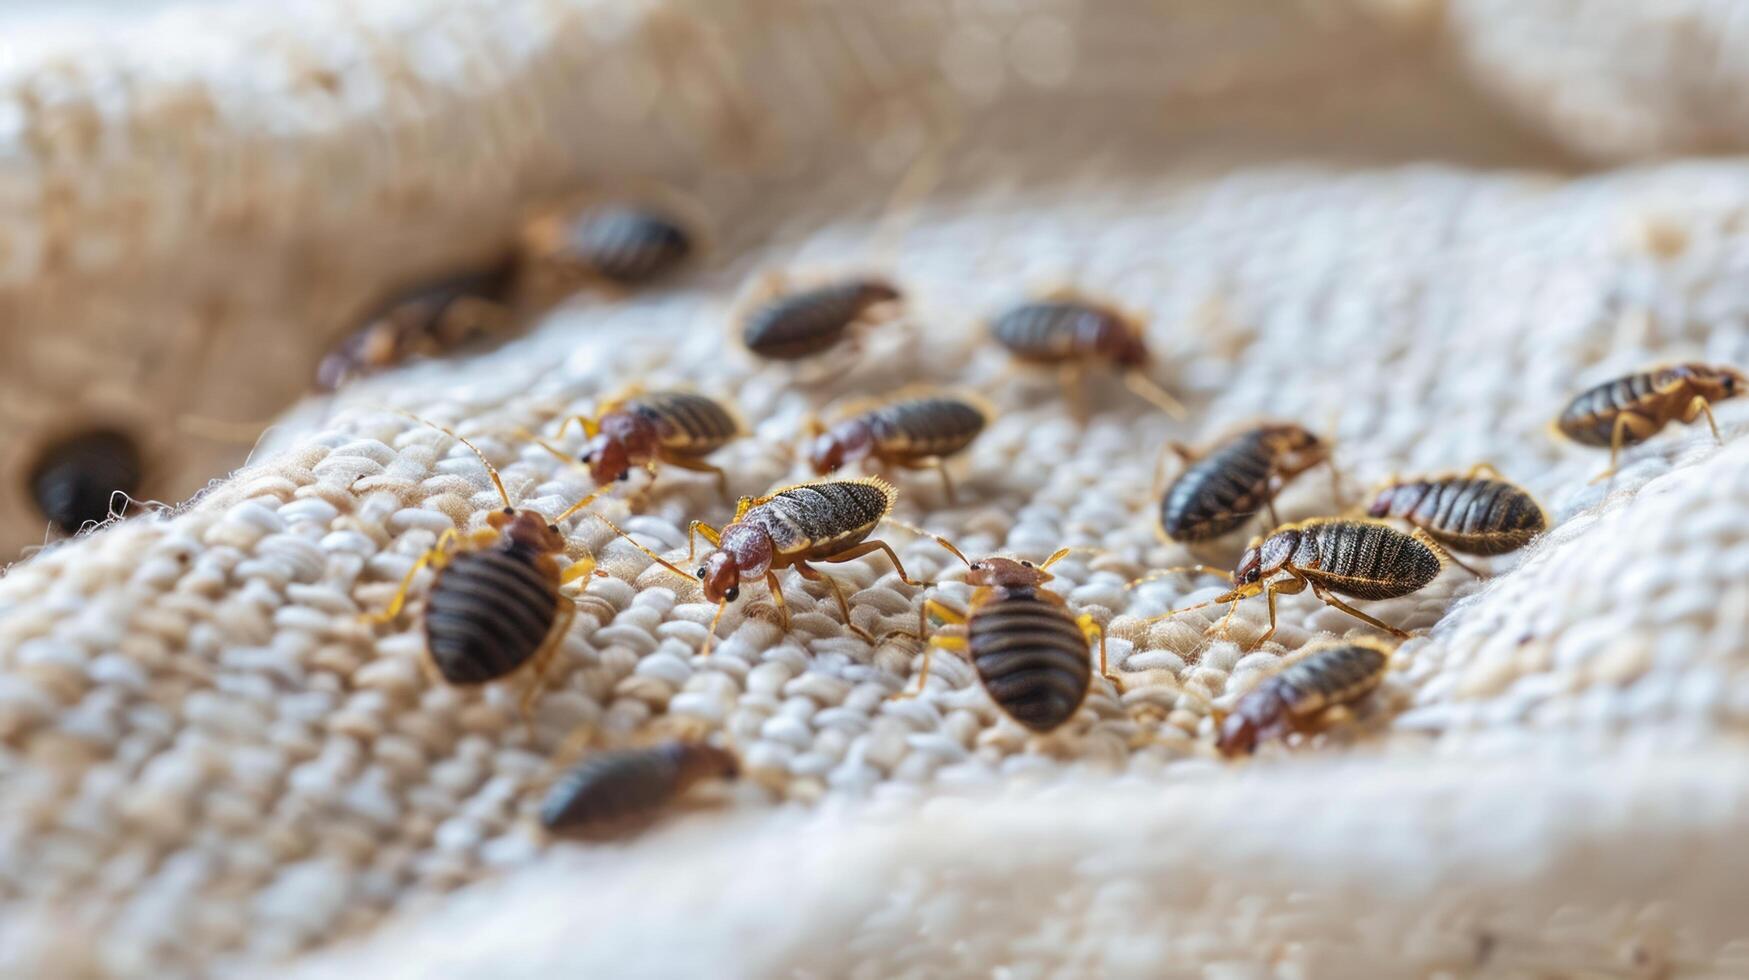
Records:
x=74, y=482
x=925, y=427
x=1052, y=331
x=811, y=521
x=686, y=424
x=1032, y=658
x=1364, y=559
x=809, y=321
x=1219, y=492
x=1328, y=675
x=625, y=245
x=488, y=613
x=1478, y=517
x=1590, y=418
x=430, y=319
x=610, y=790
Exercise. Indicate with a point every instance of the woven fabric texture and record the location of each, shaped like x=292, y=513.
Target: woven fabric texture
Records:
x=1391, y=222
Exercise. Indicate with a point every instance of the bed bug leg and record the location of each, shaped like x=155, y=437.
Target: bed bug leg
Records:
x=813, y=574
x=711, y=534
x=1642, y=428
x=870, y=547
x=1331, y=600
x=958, y=644
x=699, y=466
x=1145, y=388
x=1069, y=376
x=1697, y=407
x=543, y=659
x=1093, y=633
x=1482, y=469
x=777, y=600
x=435, y=557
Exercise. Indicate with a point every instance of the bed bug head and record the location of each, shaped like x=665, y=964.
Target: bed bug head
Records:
x=1719, y=382
x=870, y=292
x=1294, y=448
x=833, y=447
x=606, y=457
x=1237, y=735
x=1012, y=573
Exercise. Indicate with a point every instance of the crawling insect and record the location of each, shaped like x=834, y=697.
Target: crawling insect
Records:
x=424, y=321
x=1231, y=483
x=74, y=481
x=618, y=246
x=915, y=433
x=639, y=428
x=1364, y=559
x=620, y=789
x=789, y=326
x=1307, y=696
x=1629, y=410
x=1470, y=513
x=1031, y=653
x=495, y=605
x=822, y=521
x=1071, y=333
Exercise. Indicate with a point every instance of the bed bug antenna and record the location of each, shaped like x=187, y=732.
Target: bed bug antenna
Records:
x=491, y=470
x=665, y=563
x=1145, y=388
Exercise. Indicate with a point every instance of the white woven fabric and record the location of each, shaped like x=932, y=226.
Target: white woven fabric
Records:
x=210, y=764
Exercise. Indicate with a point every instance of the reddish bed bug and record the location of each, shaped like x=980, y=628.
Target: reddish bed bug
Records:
x=821, y=521
x=495, y=605
x=1363, y=559
x=75, y=480
x=1231, y=483
x=1470, y=513
x=790, y=325
x=426, y=321
x=612, y=246
x=911, y=433
x=1070, y=333
x=620, y=789
x=1032, y=654
x=1307, y=696
x=644, y=428
x=1629, y=410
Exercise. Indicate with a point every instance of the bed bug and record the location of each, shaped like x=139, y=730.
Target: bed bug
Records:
x=495, y=605
x=644, y=428
x=1362, y=559
x=1629, y=410
x=1231, y=483
x=616, y=790
x=1032, y=654
x=425, y=321
x=618, y=246
x=821, y=521
x=912, y=433
x=1470, y=513
x=1071, y=333
x=1307, y=696
x=791, y=325
x=74, y=480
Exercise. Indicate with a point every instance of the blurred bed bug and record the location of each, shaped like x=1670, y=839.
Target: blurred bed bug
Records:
x=911, y=433
x=495, y=607
x=1231, y=483
x=1362, y=559
x=617, y=246
x=618, y=790
x=1470, y=513
x=1070, y=333
x=1307, y=696
x=644, y=428
x=1032, y=654
x=422, y=322
x=74, y=481
x=1629, y=410
x=790, y=325
x=822, y=521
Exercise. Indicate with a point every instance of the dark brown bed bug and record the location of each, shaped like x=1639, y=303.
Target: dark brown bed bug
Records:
x=1231, y=483
x=621, y=789
x=75, y=480
x=1307, y=696
x=495, y=605
x=1069, y=332
x=422, y=322
x=1629, y=410
x=791, y=325
x=822, y=521
x=1470, y=513
x=614, y=245
x=1033, y=656
x=644, y=428
x=1362, y=559
x=912, y=433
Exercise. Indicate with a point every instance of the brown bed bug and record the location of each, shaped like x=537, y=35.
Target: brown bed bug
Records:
x=495, y=605
x=794, y=324
x=1474, y=514
x=820, y=521
x=644, y=428
x=75, y=480
x=1362, y=559
x=617, y=790
x=910, y=433
x=1307, y=696
x=1033, y=656
x=617, y=246
x=422, y=322
x=1240, y=477
x=1629, y=410
x=1069, y=332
